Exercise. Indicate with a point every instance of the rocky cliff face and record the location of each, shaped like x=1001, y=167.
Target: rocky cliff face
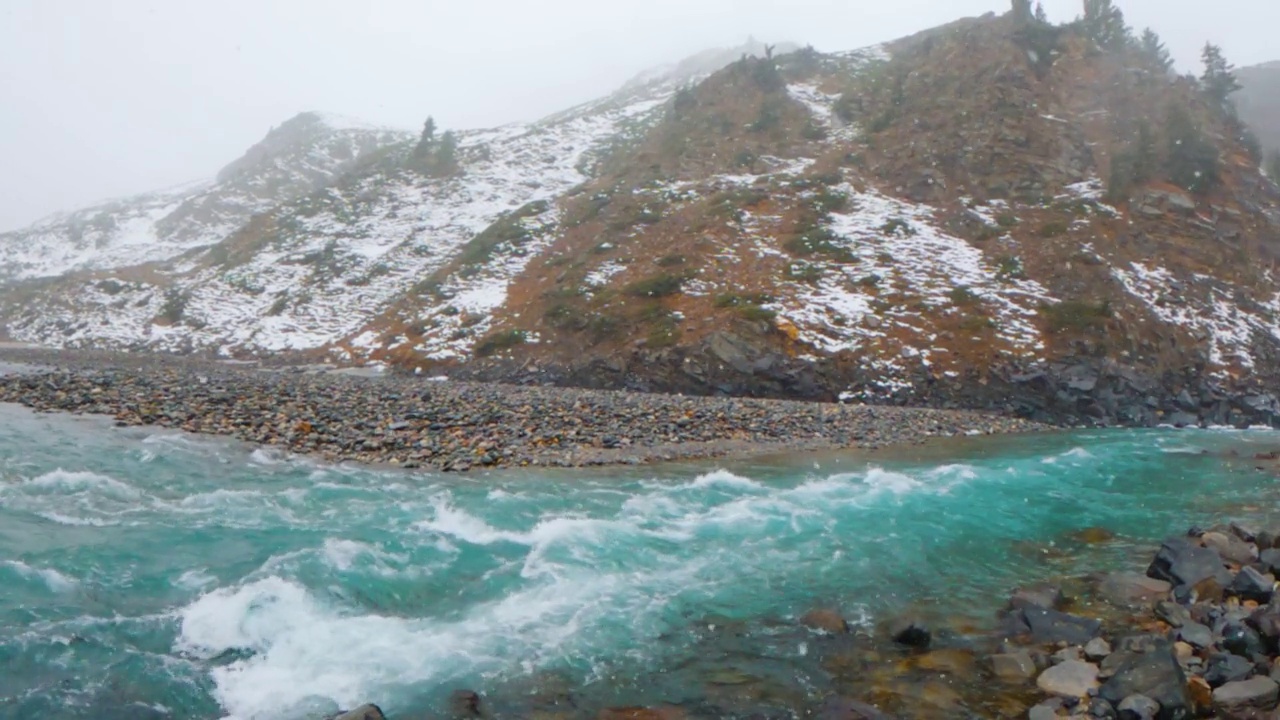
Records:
x=983, y=214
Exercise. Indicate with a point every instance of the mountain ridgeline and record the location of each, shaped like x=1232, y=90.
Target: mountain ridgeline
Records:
x=998, y=213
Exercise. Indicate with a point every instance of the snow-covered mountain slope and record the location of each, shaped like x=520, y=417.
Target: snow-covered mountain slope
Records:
x=294, y=159
x=876, y=224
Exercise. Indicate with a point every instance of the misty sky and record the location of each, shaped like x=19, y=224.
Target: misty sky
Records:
x=102, y=99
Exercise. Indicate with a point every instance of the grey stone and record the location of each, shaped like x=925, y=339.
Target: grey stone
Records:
x=1013, y=666
x=1185, y=564
x=1196, y=635
x=1249, y=584
x=1269, y=559
x=1097, y=649
x=1133, y=589
x=1155, y=674
x=1230, y=547
x=1225, y=668
x=1041, y=595
x=1260, y=693
x=1173, y=613
x=1138, y=707
x=1069, y=679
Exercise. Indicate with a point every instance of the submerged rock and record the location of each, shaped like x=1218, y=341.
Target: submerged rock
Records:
x=910, y=632
x=1131, y=588
x=1072, y=678
x=1015, y=666
x=1050, y=626
x=828, y=621
x=364, y=712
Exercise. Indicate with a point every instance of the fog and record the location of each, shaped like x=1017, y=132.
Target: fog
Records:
x=103, y=99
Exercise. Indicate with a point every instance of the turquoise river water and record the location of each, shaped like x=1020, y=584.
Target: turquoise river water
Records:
x=150, y=574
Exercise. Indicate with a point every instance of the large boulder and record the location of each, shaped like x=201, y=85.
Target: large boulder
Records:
x=1132, y=589
x=1249, y=584
x=1259, y=693
x=1155, y=674
x=1073, y=678
x=1226, y=668
x=1045, y=626
x=1185, y=564
x=1230, y=547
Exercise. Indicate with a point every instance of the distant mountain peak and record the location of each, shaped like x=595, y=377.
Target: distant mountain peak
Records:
x=706, y=62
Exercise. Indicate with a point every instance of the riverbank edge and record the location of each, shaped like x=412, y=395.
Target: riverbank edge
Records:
x=415, y=423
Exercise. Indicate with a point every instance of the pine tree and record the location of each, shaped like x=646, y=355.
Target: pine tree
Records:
x=1219, y=79
x=446, y=159
x=1104, y=24
x=1191, y=160
x=1022, y=14
x=428, y=139
x=1145, y=160
x=1155, y=51
x=1041, y=15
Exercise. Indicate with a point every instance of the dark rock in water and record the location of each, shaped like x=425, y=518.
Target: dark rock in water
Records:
x=1173, y=613
x=1097, y=649
x=1266, y=620
x=1015, y=666
x=1051, y=626
x=1243, y=640
x=847, y=709
x=1155, y=674
x=1101, y=709
x=364, y=712
x=828, y=621
x=1243, y=532
x=1138, y=707
x=1130, y=588
x=911, y=632
x=1196, y=635
x=1269, y=560
x=1265, y=540
x=1227, y=667
x=1260, y=693
x=1249, y=584
x=466, y=704
x=1186, y=564
x=1041, y=595
x=1230, y=547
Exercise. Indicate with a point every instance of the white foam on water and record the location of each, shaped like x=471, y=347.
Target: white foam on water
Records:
x=197, y=579
x=75, y=521
x=268, y=457
x=71, y=483
x=725, y=479
x=342, y=555
x=464, y=526
x=53, y=579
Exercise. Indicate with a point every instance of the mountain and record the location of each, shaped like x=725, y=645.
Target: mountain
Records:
x=1259, y=101
x=989, y=214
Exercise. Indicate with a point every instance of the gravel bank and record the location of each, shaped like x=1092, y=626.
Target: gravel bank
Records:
x=449, y=426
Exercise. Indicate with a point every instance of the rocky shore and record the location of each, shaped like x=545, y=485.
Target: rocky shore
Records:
x=415, y=422
x=1197, y=635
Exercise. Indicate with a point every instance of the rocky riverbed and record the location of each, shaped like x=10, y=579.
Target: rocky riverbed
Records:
x=1195, y=635
x=418, y=423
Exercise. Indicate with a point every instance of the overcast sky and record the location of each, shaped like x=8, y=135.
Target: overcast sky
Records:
x=106, y=98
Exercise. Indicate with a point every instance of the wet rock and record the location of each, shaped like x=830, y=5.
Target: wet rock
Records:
x=1196, y=635
x=910, y=632
x=1242, y=639
x=1101, y=709
x=1131, y=589
x=1097, y=649
x=1067, y=653
x=466, y=704
x=1173, y=613
x=1015, y=666
x=364, y=712
x=1155, y=674
x=642, y=713
x=1269, y=560
x=1047, y=710
x=1050, y=626
x=1040, y=595
x=1093, y=535
x=1230, y=547
x=1259, y=693
x=1072, y=678
x=1226, y=668
x=1249, y=584
x=1137, y=707
x=840, y=708
x=1185, y=564
x=1201, y=695
x=828, y=621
